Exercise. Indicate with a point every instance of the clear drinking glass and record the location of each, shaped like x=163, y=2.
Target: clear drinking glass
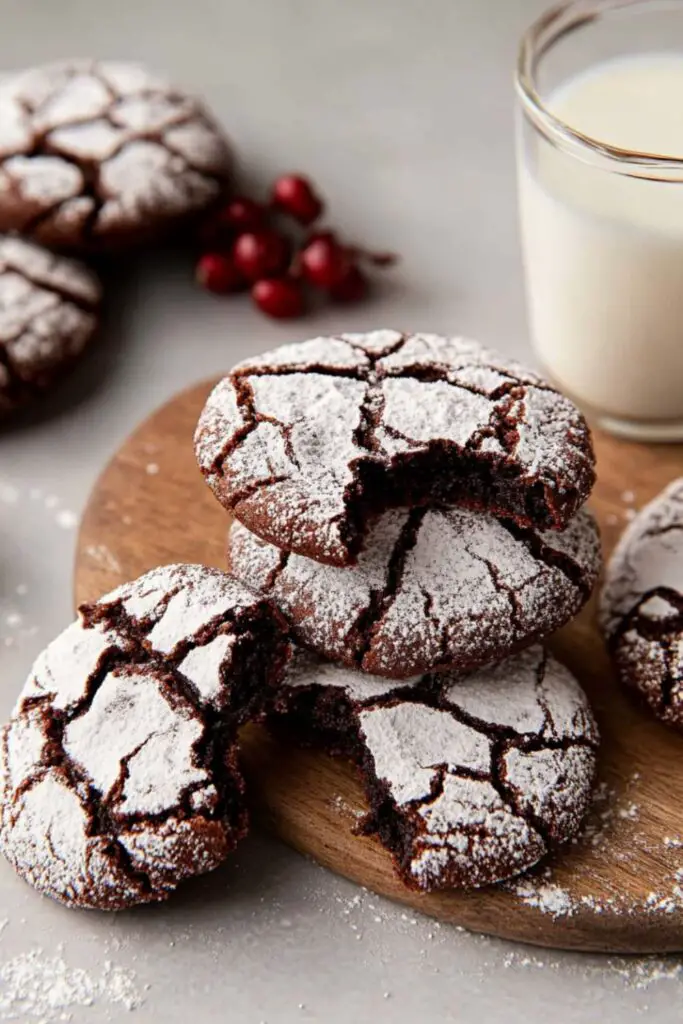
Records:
x=602, y=223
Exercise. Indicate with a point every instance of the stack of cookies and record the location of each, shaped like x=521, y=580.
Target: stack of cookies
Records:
x=407, y=509
x=413, y=506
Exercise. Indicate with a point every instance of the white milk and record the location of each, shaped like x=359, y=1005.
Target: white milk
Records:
x=604, y=252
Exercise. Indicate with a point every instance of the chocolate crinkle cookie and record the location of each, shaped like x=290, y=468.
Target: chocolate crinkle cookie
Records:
x=103, y=154
x=49, y=311
x=304, y=443
x=470, y=780
x=433, y=589
x=641, y=605
x=119, y=775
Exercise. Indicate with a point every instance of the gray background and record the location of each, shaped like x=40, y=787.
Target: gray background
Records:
x=403, y=113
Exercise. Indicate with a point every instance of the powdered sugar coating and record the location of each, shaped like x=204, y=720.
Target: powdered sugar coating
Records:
x=432, y=589
x=476, y=789
x=98, y=153
x=641, y=605
x=115, y=782
x=304, y=442
x=48, y=314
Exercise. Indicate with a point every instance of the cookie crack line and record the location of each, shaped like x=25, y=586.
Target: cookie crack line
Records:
x=47, y=286
x=507, y=794
x=370, y=619
x=541, y=669
x=276, y=571
x=99, y=821
x=549, y=556
x=167, y=665
x=530, y=742
x=89, y=173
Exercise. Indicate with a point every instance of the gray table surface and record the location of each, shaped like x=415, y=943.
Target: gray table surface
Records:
x=402, y=112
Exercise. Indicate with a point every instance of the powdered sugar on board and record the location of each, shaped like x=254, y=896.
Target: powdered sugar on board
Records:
x=613, y=830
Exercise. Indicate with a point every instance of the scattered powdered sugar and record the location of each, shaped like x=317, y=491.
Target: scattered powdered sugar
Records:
x=41, y=987
x=643, y=972
x=344, y=808
x=152, y=468
x=66, y=519
x=547, y=897
x=611, y=812
x=104, y=556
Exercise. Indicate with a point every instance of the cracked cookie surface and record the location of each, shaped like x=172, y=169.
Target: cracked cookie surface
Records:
x=119, y=775
x=470, y=780
x=641, y=605
x=103, y=154
x=49, y=310
x=305, y=443
x=433, y=589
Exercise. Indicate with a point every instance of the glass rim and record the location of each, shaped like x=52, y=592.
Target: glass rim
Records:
x=551, y=27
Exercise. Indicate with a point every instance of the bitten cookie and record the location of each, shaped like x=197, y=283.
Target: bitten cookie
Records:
x=641, y=605
x=102, y=154
x=304, y=443
x=433, y=589
x=469, y=783
x=49, y=310
x=119, y=775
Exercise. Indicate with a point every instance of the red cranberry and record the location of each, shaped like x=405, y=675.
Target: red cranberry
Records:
x=324, y=261
x=260, y=254
x=242, y=214
x=351, y=287
x=217, y=273
x=279, y=297
x=296, y=196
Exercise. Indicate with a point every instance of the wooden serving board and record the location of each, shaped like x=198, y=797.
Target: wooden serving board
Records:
x=614, y=890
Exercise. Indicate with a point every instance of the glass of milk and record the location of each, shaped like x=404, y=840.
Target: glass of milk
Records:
x=600, y=164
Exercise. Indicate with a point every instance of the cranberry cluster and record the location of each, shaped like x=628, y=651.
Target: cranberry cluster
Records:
x=245, y=247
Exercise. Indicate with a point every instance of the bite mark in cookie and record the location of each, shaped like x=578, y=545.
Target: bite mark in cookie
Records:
x=641, y=605
x=305, y=443
x=119, y=775
x=433, y=589
x=470, y=780
x=103, y=154
x=49, y=310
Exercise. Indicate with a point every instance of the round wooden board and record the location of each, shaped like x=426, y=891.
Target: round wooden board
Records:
x=151, y=506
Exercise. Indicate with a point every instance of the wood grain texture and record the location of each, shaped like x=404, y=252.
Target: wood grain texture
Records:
x=151, y=506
